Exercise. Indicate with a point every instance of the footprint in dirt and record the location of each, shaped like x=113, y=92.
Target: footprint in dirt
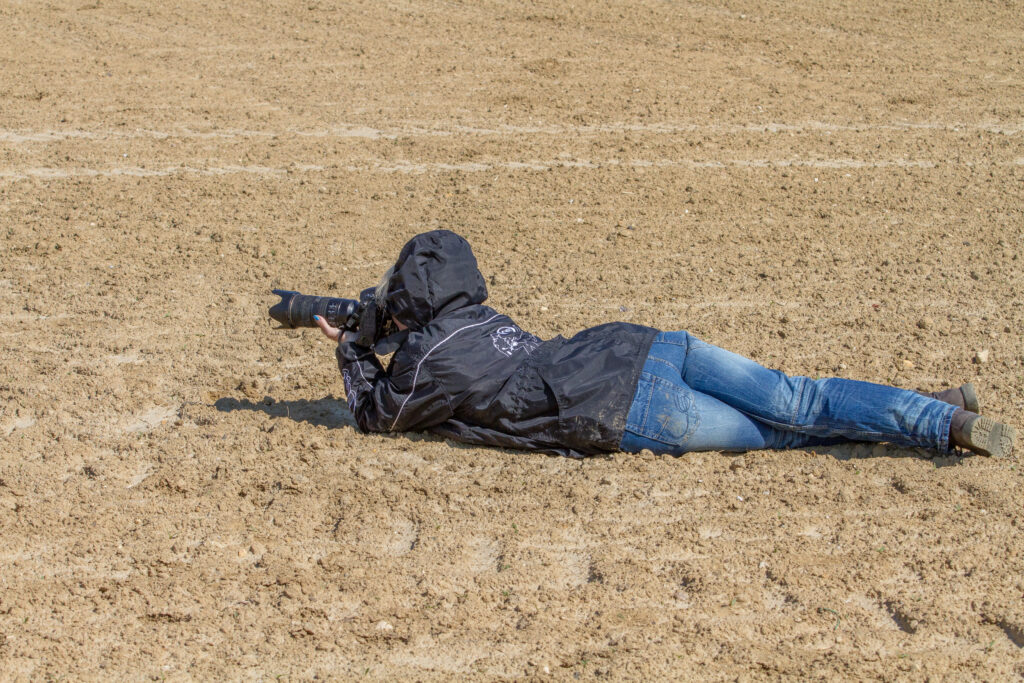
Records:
x=151, y=419
x=389, y=535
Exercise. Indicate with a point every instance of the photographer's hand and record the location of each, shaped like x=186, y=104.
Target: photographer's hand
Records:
x=333, y=333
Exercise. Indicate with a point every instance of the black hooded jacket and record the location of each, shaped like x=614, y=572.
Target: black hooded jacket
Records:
x=467, y=372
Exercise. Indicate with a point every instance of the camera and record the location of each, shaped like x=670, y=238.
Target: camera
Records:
x=297, y=310
x=362, y=316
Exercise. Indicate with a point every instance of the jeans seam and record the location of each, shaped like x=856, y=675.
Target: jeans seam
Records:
x=848, y=434
x=667, y=338
x=647, y=405
x=663, y=361
x=798, y=403
x=646, y=408
x=814, y=430
x=944, y=445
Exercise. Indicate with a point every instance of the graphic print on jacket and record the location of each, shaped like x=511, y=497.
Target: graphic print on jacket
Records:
x=469, y=373
x=510, y=338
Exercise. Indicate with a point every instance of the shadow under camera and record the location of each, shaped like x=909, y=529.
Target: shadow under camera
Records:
x=327, y=412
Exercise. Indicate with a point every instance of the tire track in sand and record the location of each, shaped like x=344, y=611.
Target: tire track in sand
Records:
x=346, y=130
x=382, y=167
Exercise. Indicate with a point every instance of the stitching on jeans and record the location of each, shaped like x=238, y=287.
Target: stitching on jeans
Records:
x=822, y=431
x=665, y=362
x=689, y=407
x=647, y=403
x=796, y=406
x=644, y=407
x=691, y=425
x=669, y=337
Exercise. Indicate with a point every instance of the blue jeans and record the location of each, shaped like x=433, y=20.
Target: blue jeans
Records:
x=693, y=396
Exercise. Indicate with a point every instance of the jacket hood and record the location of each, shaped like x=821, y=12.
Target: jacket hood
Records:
x=435, y=273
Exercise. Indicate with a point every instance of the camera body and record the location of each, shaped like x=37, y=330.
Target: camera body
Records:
x=363, y=317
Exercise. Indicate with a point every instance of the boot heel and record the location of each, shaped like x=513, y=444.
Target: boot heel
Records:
x=971, y=403
x=985, y=436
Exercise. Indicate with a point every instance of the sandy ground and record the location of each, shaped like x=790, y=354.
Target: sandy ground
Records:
x=832, y=188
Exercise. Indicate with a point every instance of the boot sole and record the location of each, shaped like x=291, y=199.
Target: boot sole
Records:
x=971, y=403
x=991, y=438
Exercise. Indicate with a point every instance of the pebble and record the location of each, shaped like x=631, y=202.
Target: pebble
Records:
x=384, y=626
x=981, y=356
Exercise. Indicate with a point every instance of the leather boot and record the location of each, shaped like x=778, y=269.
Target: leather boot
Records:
x=981, y=435
x=963, y=396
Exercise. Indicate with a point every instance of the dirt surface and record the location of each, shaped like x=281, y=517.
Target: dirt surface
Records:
x=832, y=188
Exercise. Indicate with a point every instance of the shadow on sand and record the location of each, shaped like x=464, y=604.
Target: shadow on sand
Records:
x=327, y=412
x=864, y=450
x=333, y=413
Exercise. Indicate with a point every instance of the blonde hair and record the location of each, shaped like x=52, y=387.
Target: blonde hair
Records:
x=381, y=294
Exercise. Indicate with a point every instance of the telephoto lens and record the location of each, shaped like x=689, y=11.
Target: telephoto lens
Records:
x=297, y=310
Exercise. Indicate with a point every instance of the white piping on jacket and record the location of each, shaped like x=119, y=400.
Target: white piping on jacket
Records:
x=361, y=374
x=417, y=373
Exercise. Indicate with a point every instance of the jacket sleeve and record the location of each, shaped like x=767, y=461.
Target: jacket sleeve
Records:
x=403, y=398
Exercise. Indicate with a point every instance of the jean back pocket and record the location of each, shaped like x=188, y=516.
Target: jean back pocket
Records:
x=662, y=410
